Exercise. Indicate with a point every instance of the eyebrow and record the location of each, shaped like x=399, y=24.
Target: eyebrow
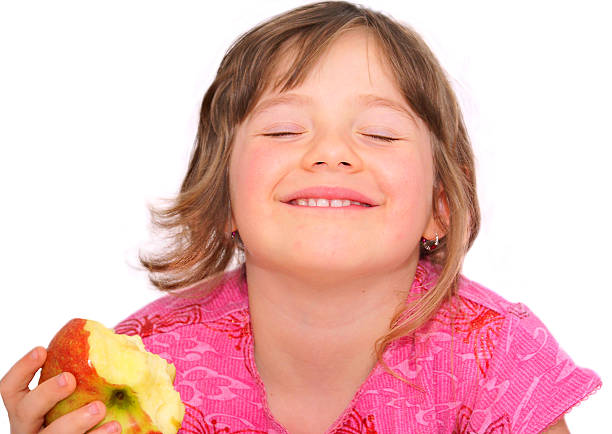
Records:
x=370, y=100
x=287, y=98
x=367, y=100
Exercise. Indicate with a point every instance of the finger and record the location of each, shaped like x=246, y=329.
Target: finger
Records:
x=29, y=412
x=43, y=398
x=15, y=383
x=78, y=421
x=107, y=428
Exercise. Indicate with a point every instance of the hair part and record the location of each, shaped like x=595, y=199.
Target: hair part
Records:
x=196, y=222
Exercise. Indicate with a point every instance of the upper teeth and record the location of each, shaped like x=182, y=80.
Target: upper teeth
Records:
x=324, y=202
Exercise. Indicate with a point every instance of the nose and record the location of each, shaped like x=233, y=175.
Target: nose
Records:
x=333, y=152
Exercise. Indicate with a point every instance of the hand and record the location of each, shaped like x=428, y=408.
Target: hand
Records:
x=27, y=408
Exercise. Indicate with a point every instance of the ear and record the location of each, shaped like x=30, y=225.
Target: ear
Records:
x=437, y=225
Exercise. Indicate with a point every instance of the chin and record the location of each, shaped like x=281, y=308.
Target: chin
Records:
x=330, y=266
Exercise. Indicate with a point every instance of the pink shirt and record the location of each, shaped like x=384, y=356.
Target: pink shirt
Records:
x=505, y=373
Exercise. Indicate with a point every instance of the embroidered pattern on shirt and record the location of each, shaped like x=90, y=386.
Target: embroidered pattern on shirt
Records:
x=519, y=310
x=356, y=424
x=477, y=322
x=195, y=423
x=236, y=325
x=501, y=425
x=148, y=325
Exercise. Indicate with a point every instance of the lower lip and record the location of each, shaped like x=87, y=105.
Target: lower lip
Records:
x=335, y=208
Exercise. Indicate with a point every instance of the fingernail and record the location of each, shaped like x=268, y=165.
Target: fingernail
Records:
x=61, y=380
x=34, y=354
x=113, y=427
x=94, y=408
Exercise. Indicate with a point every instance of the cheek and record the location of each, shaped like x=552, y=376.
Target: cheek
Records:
x=254, y=171
x=410, y=186
x=247, y=166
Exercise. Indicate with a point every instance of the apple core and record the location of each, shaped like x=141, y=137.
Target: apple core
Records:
x=135, y=385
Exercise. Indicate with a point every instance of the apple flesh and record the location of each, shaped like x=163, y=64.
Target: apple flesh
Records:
x=135, y=385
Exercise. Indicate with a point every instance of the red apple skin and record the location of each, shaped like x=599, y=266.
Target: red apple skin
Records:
x=68, y=351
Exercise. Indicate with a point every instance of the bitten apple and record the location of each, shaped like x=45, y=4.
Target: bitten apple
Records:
x=135, y=385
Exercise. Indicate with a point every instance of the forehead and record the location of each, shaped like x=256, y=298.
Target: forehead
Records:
x=358, y=47
x=354, y=59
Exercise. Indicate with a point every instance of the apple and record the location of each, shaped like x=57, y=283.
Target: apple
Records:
x=135, y=385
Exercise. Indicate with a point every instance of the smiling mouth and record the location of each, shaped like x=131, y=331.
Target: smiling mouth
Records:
x=328, y=203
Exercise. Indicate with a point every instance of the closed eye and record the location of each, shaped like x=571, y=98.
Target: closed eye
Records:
x=383, y=138
x=281, y=134
x=288, y=133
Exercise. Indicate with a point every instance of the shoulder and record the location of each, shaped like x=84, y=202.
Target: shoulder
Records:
x=471, y=301
x=474, y=292
x=470, y=325
x=526, y=380
x=199, y=304
x=477, y=304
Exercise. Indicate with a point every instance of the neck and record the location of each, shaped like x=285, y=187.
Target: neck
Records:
x=314, y=339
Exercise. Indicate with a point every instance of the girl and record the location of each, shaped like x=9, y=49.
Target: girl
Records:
x=332, y=158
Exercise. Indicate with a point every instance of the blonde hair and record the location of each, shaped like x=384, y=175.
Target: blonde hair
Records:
x=197, y=220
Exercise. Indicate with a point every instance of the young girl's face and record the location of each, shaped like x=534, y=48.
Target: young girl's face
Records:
x=346, y=127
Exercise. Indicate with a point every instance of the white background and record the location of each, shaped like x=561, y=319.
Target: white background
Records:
x=98, y=111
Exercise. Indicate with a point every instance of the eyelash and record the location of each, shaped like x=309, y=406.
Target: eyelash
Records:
x=374, y=136
x=383, y=138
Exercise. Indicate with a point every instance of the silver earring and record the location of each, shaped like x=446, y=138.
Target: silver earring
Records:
x=430, y=245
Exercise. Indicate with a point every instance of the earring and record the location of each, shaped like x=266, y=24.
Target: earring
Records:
x=237, y=240
x=430, y=245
